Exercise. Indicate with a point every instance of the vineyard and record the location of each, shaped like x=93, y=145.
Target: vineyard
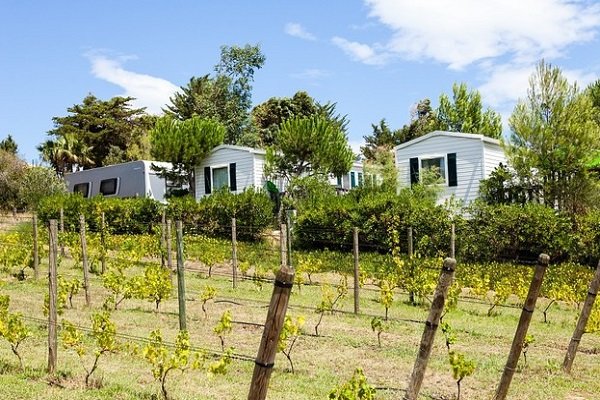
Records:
x=119, y=326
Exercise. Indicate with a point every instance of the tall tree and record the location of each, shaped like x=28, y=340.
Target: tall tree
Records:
x=9, y=145
x=66, y=154
x=555, y=133
x=12, y=170
x=225, y=97
x=184, y=144
x=101, y=127
x=309, y=147
x=464, y=113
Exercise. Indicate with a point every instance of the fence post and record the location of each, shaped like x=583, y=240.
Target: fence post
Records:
x=453, y=241
x=265, y=360
x=234, y=260
x=283, y=243
x=163, y=237
x=103, y=242
x=180, y=276
x=52, y=295
x=582, y=322
x=84, y=260
x=437, y=307
x=36, y=255
x=521, y=332
x=289, y=226
x=62, y=232
x=356, y=272
x=169, y=246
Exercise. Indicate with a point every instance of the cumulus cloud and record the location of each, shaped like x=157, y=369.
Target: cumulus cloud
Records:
x=297, y=30
x=149, y=91
x=360, y=51
x=462, y=32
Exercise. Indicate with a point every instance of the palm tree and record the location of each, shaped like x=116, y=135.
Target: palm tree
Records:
x=65, y=154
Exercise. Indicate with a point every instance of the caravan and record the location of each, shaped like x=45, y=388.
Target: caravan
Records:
x=131, y=179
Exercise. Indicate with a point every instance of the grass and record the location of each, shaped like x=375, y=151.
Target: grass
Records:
x=346, y=343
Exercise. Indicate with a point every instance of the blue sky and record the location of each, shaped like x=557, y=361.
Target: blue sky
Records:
x=375, y=58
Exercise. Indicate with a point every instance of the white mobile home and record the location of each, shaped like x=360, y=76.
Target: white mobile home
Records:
x=462, y=159
x=354, y=178
x=131, y=179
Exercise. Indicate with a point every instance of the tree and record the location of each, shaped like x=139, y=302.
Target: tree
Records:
x=309, y=147
x=555, y=134
x=184, y=144
x=99, y=127
x=9, y=145
x=12, y=170
x=226, y=97
x=65, y=154
x=383, y=139
x=464, y=113
x=40, y=182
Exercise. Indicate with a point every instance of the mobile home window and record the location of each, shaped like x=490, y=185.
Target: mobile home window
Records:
x=352, y=180
x=108, y=187
x=436, y=164
x=220, y=178
x=83, y=188
x=360, y=179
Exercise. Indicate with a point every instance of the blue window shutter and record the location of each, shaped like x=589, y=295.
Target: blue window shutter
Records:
x=452, y=177
x=414, y=171
x=207, y=180
x=232, y=178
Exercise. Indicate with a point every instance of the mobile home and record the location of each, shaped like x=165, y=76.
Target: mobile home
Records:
x=131, y=179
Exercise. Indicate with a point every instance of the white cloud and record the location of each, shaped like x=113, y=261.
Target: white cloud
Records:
x=462, y=32
x=360, y=51
x=149, y=91
x=297, y=30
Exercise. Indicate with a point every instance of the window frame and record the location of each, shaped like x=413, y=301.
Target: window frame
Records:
x=212, y=182
x=117, y=186
x=433, y=157
x=87, y=193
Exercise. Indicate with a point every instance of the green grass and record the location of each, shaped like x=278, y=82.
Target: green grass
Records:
x=346, y=343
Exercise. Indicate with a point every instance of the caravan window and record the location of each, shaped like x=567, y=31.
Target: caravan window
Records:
x=108, y=186
x=83, y=188
x=220, y=178
x=437, y=165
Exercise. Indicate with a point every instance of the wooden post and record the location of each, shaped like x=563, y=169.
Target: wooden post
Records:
x=526, y=314
x=52, y=293
x=265, y=360
x=582, y=322
x=356, y=272
x=62, y=232
x=453, y=241
x=36, y=255
x=84, y=260
x=180, y=276
x=289, y=226
x=169, y=246
x=163, y=237
x=410, y=242
x=437, y=307
x=234, y=260
x=283, y=243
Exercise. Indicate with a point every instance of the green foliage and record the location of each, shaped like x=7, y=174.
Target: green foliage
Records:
x=379, y=326
x=156, y=285
x=461, y=367
x=527, y=342
x=464, y=113
x=357, y=388
x=12, y=171
x=103, y=335
x=40, y=182
x=65, y=292
x=329, y=300
x=9, y=145
x=309, y=146
x=224, y=326
x=555, y=134
x=449, y=334
x=12, y=328
x=290, y=332
x=208, y=293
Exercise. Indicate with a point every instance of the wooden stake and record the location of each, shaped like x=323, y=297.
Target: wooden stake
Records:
x=411, y=294
x=169, y=246
x=283, y=243
x=356, y=272
x=453, y=242
x=163, y=237
x=265, y=360
x=180, y=276
x=36, y=255
x=52, y=294
x=582, y=322
x=234, y=260
x=84, y=260
x=410, y=242
x=103, y=242
x=437, y=307
x=526, y=314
